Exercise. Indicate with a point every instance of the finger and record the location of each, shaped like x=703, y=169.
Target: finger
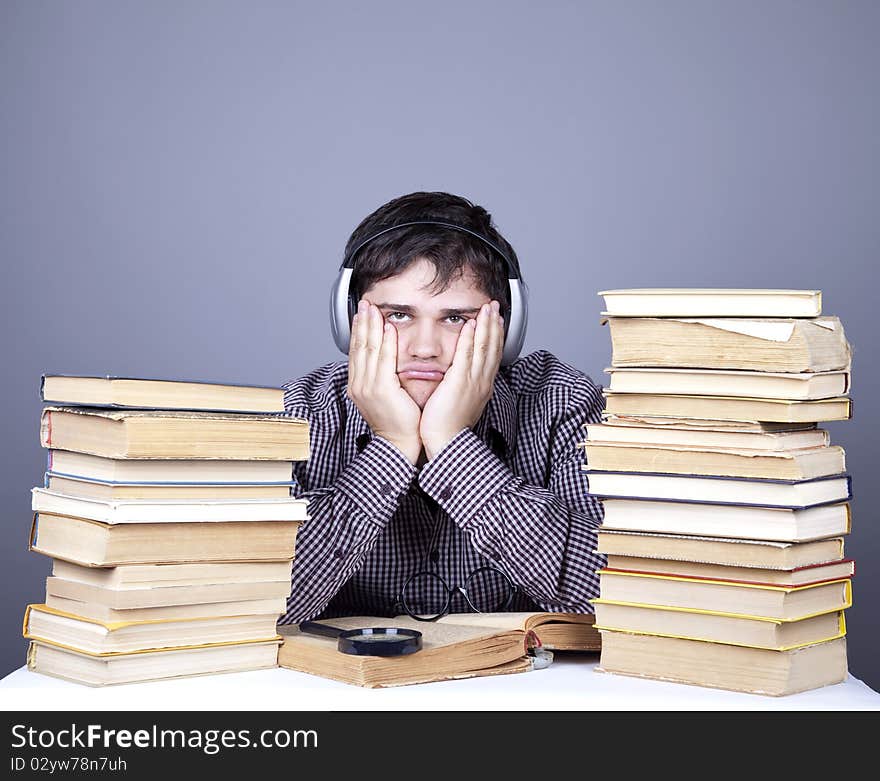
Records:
x=496, y=340
x=356, y=355
x=464, y=349
x=481, y=341
x=387, y=365
x=373, y=342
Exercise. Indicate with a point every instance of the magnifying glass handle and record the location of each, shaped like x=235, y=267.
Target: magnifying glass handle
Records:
x=314, y=628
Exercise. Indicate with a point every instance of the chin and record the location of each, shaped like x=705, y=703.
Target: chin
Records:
x=420, y=391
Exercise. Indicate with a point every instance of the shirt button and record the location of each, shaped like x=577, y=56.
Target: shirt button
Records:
x=386, y=488
x=445, y=494
x=338, y=553
x=496, y=556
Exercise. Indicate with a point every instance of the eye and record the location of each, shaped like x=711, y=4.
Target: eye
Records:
x=396, y=317
x=457, y=319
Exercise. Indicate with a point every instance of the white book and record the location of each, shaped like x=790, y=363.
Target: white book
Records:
x=712, y=302
x=170, y=511
x=726, y=521
x=793, y=494
x=719, y=382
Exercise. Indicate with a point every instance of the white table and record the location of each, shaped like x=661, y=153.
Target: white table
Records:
x=571, y=683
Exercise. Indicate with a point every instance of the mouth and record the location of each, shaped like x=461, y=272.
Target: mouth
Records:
x=417, y=374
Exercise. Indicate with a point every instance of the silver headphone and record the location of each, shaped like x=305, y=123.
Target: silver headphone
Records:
x=343, y=306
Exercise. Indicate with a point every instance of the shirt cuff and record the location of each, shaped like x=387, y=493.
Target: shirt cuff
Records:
x=463, y=476
x=376, y=478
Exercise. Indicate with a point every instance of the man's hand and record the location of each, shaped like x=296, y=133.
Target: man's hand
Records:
x=467, y=386
x=373, y=384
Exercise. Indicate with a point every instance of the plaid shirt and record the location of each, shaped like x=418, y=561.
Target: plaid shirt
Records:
x=510, y=493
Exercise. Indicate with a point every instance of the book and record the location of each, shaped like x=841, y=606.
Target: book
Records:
x=620, y=431
x=768, y=345
x=90, y=636
x=712, y=302
x=449, y=651
x=723, y=666
x=756, y=600
x=716, y=627
x=801, y=464
x=169, y=434
x=700, y=424
x=197, y=612
x=727, y=520
x=735, y=408
x=84, y=466
x=717, y=382
x=94, y=670
x=556, y=631
x=769, y=554
x=166, y=595
x=109, y=391
x=788, y=494
x=195, y=573
x=287, y=508
x=798, y=576
x=110, y=492
x=97, y=544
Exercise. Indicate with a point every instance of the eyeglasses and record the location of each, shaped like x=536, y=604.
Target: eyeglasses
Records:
x=426, y=596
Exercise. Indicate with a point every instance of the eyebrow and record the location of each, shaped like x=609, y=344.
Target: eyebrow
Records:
x=408, y=310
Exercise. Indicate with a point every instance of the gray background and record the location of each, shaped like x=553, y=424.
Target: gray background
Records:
x=179, y=179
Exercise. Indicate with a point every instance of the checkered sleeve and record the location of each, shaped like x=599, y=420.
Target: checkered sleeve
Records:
x=541, y=533
x=345, y=519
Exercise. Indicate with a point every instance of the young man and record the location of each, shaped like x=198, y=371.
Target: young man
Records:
x=440, y=480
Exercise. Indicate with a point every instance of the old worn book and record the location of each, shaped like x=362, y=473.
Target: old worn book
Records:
x=156, y=595
x=768, y=554
x=449, y=651
x=111, y=492
x=797, y=576
x=286, y=508
x=712, y=302
x=728, y=520
x=762, y=600
x=718, y=382
x=701, y=424
x=735, y=408
x=801, y=464
x=717, y=627
x=190, y=574
x=781, y=493
x=148, y=393
x=556, y=631
x=97, y=544
x=197, y=612
x=621, y=431
x=91, y=636
x=84, y=466
x=767, y=345
x=94, y=670
x=168, y=434
x=724, y=666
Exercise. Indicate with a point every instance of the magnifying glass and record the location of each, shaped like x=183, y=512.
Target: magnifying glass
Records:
x=370, y=641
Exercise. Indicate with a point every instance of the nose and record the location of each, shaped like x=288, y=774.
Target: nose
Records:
x=424, y=339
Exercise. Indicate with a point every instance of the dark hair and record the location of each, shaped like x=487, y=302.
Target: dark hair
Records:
x=450, y=251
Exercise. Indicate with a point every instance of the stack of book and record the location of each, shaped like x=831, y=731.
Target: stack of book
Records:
x=169, y=511
x=726, y=505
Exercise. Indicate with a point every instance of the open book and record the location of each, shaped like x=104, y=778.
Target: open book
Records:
x=449, y=651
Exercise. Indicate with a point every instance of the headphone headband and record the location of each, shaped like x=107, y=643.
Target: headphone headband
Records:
x=513, y=268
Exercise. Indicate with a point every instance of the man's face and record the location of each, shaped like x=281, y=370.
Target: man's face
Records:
x=427, y=323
